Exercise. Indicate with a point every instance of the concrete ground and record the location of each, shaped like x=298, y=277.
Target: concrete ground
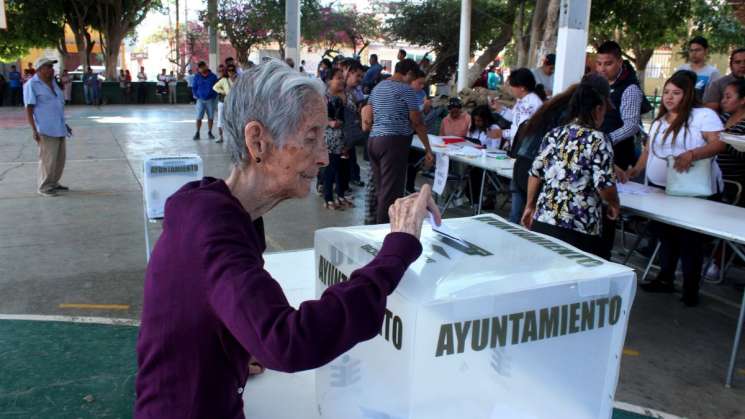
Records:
x=83, y=253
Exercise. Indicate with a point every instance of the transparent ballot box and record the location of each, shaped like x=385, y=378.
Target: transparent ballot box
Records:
x=492, y=321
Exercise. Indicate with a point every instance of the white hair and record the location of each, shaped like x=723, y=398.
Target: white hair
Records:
x=272, y=94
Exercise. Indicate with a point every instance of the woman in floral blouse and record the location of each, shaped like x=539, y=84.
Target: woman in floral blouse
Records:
x=574, y=174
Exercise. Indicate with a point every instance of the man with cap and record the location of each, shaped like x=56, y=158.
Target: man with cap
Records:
x=456, y=123
x=545, y=74
x=45, y=111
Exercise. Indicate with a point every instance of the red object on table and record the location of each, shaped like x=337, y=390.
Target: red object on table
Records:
x=452, y=140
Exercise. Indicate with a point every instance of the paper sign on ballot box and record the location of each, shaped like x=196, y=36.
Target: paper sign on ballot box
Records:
x=498, y=322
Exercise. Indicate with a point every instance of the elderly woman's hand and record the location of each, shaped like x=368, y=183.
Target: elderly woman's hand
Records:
x=407, y=214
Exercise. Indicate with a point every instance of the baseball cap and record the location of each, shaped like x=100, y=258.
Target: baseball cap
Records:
x=41, y=62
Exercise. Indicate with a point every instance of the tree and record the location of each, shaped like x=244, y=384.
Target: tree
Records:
x=639, y=26
x=31, y=24
x=492, y=23
x=246, y=24
x=80, y=16
x=334, y=27
x=115, y=19
x=716, y=20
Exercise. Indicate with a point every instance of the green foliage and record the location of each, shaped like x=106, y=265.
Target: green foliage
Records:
x=640, y=24
x=31, y=24
x=715, y=20
x=436, y=23
x=333, y=27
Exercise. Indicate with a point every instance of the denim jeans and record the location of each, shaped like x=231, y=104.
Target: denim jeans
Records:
x=88, y=93
x=518, y=203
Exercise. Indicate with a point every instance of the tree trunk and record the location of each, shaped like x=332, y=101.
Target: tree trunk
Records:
x=241, y=55
x=537, y=25
x=642, y=56
x=522, y=40
x=179, y=57
x=550, y=30
x=64, y=54
x=490, y=53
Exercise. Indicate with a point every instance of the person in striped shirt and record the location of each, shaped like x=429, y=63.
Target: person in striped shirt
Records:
x=396, y=116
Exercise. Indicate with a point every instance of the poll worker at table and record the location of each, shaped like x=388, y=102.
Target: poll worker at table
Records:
x=209, y=305
x=530, y=97
x=457, y=122
x=623, y=120
x=573, y=175
x=688, y=133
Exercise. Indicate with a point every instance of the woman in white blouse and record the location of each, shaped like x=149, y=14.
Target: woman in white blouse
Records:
x=529, y=99
x=689, y=133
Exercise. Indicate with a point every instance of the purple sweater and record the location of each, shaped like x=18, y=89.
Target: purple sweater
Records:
x=210, y=305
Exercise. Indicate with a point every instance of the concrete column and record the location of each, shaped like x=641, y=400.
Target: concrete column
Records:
x=214, y=47
x=571, y=45
x=292, y=32
x=464, y=47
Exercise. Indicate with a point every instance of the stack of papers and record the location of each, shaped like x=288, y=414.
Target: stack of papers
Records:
x=633, y=188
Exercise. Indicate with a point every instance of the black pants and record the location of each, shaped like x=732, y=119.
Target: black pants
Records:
x=15, y=96
x=388, y=159
x=412, y=169
x=624, y=153
x=585, y=242
x=141, y=92
x=335, y=173
x=678, y=244
x=354, y=167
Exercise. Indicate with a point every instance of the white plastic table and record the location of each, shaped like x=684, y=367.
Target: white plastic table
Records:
x=711, y=218
x=489, y=165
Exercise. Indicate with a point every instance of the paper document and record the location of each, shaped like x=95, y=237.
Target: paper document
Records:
x=441, y=173
x=466, y=151
x=442, y=229
x=633, y=188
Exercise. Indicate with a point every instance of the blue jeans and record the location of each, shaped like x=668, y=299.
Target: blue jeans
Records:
x=88, y=92
x=518, y=203
x=337, y=172
x=206, y=105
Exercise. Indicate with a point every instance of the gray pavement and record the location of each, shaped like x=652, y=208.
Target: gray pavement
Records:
x=86, y=247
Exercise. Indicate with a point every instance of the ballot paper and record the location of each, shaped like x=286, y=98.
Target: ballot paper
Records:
x=467, y=151
x=633, y=188
x=491, y=322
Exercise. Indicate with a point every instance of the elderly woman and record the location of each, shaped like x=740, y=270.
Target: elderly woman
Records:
x=210, y=306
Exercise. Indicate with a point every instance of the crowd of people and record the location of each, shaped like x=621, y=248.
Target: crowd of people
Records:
x=570, y=147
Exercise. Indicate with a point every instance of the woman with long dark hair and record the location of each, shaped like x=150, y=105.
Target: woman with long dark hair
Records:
x=573, y=175
x=683, y=134
x=527, y=143
x=529, y=97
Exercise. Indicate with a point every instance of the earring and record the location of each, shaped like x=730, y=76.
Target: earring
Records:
x=258, y=160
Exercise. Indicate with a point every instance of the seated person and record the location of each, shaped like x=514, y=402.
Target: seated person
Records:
x=456, y=123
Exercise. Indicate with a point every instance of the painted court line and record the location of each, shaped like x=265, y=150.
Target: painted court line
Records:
x=631, y=352
x=71, y=319
x=132, y=322
x=96, y=306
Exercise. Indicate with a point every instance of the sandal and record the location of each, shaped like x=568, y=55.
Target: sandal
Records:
x=346, y=202
x=333, y=205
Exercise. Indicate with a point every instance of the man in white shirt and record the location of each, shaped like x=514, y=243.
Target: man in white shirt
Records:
x=45, y=112
x=545, y=74
x=698, y=48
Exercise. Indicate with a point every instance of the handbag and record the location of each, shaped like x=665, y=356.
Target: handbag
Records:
x=695, y=182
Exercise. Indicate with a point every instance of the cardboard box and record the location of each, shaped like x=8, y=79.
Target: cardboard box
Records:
x=507, y=324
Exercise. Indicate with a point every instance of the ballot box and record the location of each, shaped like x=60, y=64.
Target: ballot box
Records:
x=164, y=175
x=492, y=321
